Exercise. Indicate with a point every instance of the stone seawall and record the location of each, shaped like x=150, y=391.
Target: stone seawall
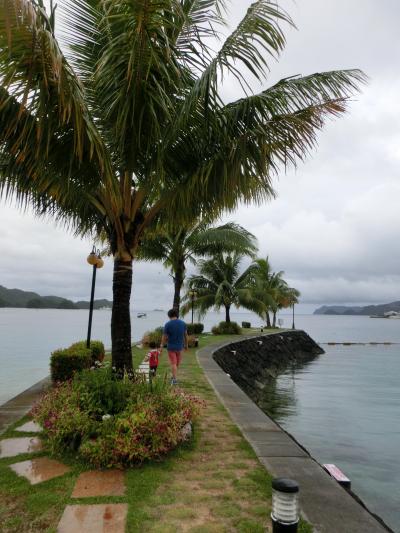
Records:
x=252, y=362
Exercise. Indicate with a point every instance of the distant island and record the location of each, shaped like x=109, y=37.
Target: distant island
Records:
x=368, y=310
x=32, y=300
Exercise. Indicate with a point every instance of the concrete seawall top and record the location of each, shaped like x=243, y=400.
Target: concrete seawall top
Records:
x=324, y=503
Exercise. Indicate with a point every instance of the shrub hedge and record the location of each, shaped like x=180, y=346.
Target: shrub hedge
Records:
x=227, y=328
x=195, y=329
x=97, y=348
x=153, y=337
x=64, y=363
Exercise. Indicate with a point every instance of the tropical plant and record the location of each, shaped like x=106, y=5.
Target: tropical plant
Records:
x=176, y=247
x=220, y=284
x=120, y=123
x=270, y=288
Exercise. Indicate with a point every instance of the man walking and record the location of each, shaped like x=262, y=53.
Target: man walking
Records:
x=175, y=335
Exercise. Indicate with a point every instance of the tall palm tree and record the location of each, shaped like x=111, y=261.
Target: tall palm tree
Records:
x=270, y=288
x=120, y=121
x=176, y=247
x=262, y=283
x=220, y=284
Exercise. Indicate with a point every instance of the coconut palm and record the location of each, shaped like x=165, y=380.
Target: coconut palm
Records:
x=220, y=284
x=116, y=120
x=176, y=247
x=271, y=288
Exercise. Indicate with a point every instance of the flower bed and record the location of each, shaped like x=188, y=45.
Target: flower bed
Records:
x=113, y=422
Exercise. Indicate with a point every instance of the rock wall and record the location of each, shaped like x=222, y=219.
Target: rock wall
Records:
x=252, y=362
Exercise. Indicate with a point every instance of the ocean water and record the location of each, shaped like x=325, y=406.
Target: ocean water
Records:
x=28, y=336
x=344, y=407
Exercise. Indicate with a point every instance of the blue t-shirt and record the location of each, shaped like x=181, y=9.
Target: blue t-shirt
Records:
x=175, y=331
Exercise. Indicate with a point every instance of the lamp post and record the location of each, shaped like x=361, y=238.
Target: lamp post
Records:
x=192, y=295
x=293, y=327
x=96, y=261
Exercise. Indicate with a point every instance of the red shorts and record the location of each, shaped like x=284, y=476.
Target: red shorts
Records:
x=175, y=357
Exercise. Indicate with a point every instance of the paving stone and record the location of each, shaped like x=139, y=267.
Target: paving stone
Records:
x=11, y=447
x=107, y=518
x=40, y=469
x=31, y=426
x=97, y=483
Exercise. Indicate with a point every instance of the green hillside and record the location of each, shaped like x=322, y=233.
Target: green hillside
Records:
x=32, y=300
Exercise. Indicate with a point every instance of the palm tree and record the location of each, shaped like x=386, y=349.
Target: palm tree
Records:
x=175, y=247
x=271, y=288
x=120, y=123
x=220, y=284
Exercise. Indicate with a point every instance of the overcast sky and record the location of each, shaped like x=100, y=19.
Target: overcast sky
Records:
x=334, y=227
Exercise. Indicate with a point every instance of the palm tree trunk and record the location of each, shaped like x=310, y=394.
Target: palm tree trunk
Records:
x=268, y=319
x=274, y=320
x=178, y=282
x=121, y=318
x=227, y=315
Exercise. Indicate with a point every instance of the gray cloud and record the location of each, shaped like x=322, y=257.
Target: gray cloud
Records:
x=334, y=225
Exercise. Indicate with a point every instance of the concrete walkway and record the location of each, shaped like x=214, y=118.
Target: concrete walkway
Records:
x=324, y=503
x=20, y=405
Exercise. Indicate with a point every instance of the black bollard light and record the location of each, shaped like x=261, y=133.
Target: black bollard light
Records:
x=285, y=506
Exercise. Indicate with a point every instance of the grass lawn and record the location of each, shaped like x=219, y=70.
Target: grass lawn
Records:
x=214, y=484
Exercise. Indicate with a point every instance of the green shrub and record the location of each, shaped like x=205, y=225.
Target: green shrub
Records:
x=227, y=328
x=65, y=363
x=97, y=348
x=153, y=337
x=114, y=423
x=195, y=329
x=246, y=325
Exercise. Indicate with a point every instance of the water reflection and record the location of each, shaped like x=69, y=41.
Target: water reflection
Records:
x=277, y=396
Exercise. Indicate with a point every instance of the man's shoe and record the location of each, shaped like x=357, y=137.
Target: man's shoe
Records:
x=174, y=381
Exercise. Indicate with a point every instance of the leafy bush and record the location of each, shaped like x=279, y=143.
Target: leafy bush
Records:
x=114, y=423
x=65, y=363
x=97, y=348
x=195, y=329
x=192, y=341
x=153, y=337
x=246, y=325
x=226, y=328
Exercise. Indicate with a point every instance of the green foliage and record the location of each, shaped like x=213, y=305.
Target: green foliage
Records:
x=195, y=329
x=96, y=347
x=153, y=338
x=246, y=325
x=114, y=423
x=65, y=363
x=226, y=328
x=124, y=125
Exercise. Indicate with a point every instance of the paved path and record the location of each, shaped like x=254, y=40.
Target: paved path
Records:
x=16, y=408
x=324, y=503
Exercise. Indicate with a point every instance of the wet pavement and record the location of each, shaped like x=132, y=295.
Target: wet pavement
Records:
x=98, y=483
x=30, y=427
x=107, y=518
x=40, y=469
x=12, y=447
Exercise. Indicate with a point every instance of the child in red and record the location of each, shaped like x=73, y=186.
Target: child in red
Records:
x=152, y=358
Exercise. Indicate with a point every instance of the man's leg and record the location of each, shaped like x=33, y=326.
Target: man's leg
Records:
x=173, y=361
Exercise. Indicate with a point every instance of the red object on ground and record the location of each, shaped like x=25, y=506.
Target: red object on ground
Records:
x=337, y=474
x=153, y=357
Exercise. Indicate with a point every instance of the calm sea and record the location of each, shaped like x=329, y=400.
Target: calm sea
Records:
x=344, y=407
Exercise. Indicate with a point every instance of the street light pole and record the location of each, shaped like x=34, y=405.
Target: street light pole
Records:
x=193, y=295
x=96, y=261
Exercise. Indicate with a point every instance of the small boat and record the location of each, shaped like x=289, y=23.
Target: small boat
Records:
x=141, y=315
